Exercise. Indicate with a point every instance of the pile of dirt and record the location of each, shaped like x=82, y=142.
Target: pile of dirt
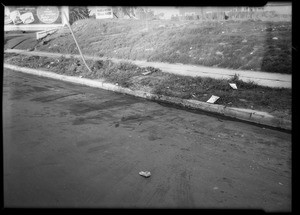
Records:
x=247, y=45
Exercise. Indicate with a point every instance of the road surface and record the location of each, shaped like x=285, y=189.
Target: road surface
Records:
x=67, y=145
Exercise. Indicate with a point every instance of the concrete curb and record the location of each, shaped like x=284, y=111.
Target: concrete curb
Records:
x=238, y=113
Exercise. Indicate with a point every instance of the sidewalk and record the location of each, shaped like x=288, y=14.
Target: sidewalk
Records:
x=261, y=78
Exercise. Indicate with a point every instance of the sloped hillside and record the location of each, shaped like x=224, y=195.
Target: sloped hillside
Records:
x=247, y=45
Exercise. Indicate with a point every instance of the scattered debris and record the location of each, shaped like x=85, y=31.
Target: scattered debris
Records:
x=150, y=49
x=80, y=76
x=275, y=38
x=244, y=41
x=215, y=188
x=117, y=84
x=147, y=73
x=233, y=85
x=146, y=174
x=219, y=53
x=280, y=183
x=213, y=99
x=30, y=49
x=243, y=100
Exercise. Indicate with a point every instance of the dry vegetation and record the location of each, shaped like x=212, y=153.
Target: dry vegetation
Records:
x=246, y=45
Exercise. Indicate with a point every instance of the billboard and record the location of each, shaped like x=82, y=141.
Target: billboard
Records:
x=104, y=12
x=33, y=18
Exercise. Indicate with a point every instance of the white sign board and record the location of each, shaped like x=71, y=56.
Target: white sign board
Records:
x=104, y=13
x=34, y=18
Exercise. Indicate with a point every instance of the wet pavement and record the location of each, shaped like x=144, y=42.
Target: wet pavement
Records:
x=67, y=145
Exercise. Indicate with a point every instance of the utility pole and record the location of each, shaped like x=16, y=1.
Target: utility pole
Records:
x=146, y=21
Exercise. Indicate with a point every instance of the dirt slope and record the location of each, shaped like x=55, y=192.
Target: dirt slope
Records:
x=248, y=45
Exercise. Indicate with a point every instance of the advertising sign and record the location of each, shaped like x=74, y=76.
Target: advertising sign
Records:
x=33, y=17
x=104, y=13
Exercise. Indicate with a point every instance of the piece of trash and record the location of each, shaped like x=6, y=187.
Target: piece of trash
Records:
x=219, y=53
x=233, y=85
x=213, y=99
x=147, y=73
x=215, y=188
x=244, y=41
x=117, y=84
x=80, y=76
x=146, y=174
x=191, y=47
x=280, y=183
x=275, y=38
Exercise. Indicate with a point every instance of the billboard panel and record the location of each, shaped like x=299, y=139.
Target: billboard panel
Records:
x=104, y=13
x=34, y=18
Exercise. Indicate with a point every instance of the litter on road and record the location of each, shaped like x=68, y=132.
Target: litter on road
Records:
x=213, y=99
x=146, y=174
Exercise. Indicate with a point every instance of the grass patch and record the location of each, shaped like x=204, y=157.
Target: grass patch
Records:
x=245, y=45
x=248, y=94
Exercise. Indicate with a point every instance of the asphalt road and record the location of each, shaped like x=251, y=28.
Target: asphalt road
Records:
x=20, y=40
x=67, y=145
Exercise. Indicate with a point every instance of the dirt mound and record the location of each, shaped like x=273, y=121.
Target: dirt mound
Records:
x=248, y=45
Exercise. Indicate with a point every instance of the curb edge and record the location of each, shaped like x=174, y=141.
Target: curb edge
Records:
x=213, y=108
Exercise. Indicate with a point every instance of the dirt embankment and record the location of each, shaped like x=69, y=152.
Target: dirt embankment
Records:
x=247, y=45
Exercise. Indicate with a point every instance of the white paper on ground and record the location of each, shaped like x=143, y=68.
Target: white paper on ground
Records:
x=233, y=86
x=145, y=173
x=213, y=99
